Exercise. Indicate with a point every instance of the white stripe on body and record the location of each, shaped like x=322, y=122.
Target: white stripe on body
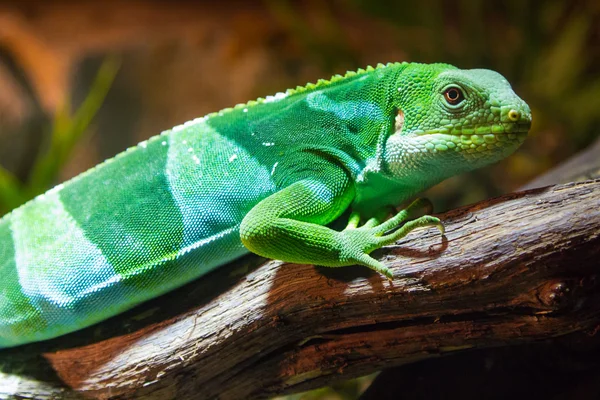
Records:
x=56, y=264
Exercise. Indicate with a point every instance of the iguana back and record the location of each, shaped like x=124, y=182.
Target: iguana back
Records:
x=159, y=214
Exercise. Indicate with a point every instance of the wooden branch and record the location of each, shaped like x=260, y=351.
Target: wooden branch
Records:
x=535, y=370
x=509, y=270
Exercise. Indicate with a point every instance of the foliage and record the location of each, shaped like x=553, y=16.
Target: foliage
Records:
x=67, y=129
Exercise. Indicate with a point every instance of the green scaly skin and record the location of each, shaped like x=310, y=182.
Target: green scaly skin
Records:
x=266, y=177
x=429, y=141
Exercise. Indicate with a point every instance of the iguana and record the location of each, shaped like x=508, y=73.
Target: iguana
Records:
x=267, y=177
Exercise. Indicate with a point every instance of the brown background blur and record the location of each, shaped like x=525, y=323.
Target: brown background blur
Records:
x=180, y=60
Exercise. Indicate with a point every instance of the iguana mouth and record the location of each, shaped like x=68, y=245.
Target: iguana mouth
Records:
x=479, y=140
x=499, y=129
x=492, y=129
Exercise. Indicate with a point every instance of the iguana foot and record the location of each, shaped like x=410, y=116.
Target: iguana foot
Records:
x=359, y=241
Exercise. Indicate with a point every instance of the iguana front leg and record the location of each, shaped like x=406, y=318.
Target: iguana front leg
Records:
x=378, y=232
x=289, y=226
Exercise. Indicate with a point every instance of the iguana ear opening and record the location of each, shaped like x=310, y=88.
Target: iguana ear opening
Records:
x=399, y=121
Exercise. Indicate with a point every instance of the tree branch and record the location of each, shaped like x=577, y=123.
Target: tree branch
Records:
x=510, y=270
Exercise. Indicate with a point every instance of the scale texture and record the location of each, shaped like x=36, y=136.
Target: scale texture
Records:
x=266, y=177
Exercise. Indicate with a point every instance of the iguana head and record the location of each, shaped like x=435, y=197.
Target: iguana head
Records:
x=451, y=120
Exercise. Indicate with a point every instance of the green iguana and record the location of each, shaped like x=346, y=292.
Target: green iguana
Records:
x=265, y=177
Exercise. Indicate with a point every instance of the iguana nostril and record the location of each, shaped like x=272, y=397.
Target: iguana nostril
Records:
x=514, y=115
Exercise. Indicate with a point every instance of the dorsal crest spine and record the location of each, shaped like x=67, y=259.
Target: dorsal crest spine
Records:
x=321, y=83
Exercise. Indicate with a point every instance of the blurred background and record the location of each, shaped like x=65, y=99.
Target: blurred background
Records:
x=82, y=81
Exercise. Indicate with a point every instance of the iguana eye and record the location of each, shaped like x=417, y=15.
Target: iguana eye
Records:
x=454, y=96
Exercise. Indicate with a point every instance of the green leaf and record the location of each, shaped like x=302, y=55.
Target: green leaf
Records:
x=68, y=130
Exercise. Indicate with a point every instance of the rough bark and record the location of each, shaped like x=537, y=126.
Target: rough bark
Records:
x=562, y=367
x=510, y=270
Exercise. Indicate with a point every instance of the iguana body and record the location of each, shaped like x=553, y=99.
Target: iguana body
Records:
x=266, y=176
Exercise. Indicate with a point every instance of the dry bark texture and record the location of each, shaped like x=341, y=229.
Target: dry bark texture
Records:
x=510, y=270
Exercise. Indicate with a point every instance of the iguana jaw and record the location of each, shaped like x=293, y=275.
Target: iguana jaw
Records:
x=480, y=140
x=472, y=145
x=470, y=139
x=495, y=129
x=467, y=138
x=442, y=152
